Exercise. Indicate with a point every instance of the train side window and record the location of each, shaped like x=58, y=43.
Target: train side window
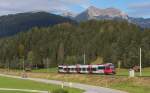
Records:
x=65, y=69
x=83, y=69
x=68, y=69
x=60, y=68
x=93, y=69
x=78, y=69
x=101, y=67
x=72, y=69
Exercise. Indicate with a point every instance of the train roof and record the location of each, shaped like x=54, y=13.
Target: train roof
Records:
x=85, y=65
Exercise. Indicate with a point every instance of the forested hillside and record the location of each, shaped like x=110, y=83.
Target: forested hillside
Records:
x=14, y=23
x=113, y=41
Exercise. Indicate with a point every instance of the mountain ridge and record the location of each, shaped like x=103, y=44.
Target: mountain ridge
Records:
x=14, y=23
x=111, y=13
x=96, y=13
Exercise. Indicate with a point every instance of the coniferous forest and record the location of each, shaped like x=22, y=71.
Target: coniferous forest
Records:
x=113, y=41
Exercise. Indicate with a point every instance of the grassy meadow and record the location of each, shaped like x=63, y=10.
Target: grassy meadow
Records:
x=12, y=83
x=120, y=81
x=125, y=72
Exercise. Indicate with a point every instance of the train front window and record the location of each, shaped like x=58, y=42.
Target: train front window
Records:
x=112, y=67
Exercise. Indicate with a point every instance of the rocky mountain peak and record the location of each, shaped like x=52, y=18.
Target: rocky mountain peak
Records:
x=92, y=8
x=70, y=15
x=93, y=13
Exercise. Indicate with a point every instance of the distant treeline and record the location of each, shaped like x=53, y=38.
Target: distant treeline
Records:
x=114, y=41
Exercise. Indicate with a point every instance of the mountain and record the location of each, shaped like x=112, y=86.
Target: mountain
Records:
x=142, y=22
x=110, y=14
x=14, y=23
x=68, y=14
x=96, y=13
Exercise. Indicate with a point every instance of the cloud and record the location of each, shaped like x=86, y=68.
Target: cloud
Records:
x=15, y=6
x=140, y=6
x=139, y=9
x=137, y=13
x=81, y=3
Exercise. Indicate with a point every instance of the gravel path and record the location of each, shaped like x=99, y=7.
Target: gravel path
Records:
x=87, y=88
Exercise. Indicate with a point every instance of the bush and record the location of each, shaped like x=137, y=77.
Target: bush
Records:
x=59, y=91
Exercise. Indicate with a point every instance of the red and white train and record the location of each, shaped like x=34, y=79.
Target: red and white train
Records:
x=107, y=68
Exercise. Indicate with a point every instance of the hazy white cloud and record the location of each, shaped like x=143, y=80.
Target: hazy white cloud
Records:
x=16, y=6
x=140, y=6
x=81, y=3
x=138, y=13
x=139, y=9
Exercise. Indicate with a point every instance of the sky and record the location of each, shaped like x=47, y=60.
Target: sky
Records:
x=134, y=8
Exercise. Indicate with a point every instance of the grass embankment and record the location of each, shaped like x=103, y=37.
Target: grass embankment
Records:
x=119, y=81
x=12, y=83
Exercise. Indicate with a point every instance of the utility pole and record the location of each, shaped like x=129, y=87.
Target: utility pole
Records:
x=23, y=64
x=47, y=61
x=84, y=58
x=140, y=64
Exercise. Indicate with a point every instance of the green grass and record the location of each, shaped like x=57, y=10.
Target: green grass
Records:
x=45, y=70
x=131, y=87
x=125, y=72
x=13, y=92
x=121, y=82
x=26, y=84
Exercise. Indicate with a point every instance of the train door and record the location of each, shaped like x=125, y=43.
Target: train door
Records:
x=89, y=69
x=78, y=69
